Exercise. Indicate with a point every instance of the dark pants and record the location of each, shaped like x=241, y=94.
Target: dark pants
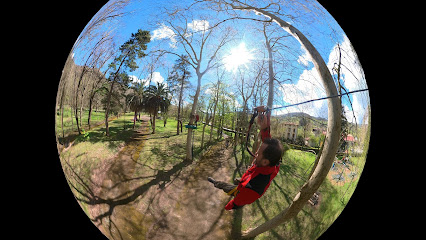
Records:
x=226, y=187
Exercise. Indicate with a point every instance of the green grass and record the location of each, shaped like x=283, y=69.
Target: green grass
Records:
x=70, y=124
x=159, y=152
x=164, y=150
x=89, y=150
x=311, y=222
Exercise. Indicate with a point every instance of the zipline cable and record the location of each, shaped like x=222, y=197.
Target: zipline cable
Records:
x=312, y=100
x=323, y=98
x=255, y=113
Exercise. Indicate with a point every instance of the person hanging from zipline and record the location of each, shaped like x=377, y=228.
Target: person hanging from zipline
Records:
x=265, y=166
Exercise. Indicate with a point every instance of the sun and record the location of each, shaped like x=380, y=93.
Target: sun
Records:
x=238, y=56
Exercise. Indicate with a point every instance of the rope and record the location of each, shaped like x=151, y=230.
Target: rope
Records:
x=323, y=98
x=296, y=104
x=248, y=133
x=286, y=106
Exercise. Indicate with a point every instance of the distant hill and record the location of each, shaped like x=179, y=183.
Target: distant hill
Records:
x=300, y=115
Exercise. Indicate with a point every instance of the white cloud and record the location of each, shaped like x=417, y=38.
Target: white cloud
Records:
x=198, y=25
x=305, y=58
x=237, y=104
x=135, y=80
x=208, y=91
x=351, y=71
x=358, y=110
x=155, y=78
x=353, y=78
x=165, y=32
x=308, y=87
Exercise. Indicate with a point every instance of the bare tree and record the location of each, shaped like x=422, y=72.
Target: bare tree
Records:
x=129, y=51
x=216, y=89
x=195, y=42
x=111, y=11
x=334, y=121
x=178, y=82
x=92, y=61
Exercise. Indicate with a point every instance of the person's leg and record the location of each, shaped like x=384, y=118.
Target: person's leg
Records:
x=226, y=187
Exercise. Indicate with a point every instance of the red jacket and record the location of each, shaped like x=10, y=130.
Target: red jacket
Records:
x=254, y=182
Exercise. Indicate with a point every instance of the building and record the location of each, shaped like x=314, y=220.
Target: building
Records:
x=290, y=130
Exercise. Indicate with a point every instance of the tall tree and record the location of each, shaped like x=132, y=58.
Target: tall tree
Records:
x=195, y=42
x=156, y=98
x=109, y=13
x=178, y=81
x=216, y=90
x=271, y=74
x=334, y=119
x=135, y=100
x=129, y=51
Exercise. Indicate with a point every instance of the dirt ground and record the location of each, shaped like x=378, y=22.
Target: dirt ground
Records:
x=175, y=204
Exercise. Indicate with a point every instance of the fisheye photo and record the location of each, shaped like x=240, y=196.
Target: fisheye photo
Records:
x=212, y=119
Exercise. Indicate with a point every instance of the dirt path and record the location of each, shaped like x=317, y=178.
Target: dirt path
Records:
x=190, y=207
x=175, y=204
x=112, y=184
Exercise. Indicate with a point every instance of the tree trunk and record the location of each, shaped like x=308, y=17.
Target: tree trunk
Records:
x=153, y=122
x=204, y=128
x=91, y=98
x=220, y=128
x=90, y=111
x=191, y=120
x=72, y=120
x=180, y=102
x=214, y=110
x=233, y=121
x=109, y=97
x=271, y=71
x=316, y=161
x=134, y=119
x=62, y=122
x=107, y=107
x=76, y=118
x=81, y=113
x=332, y=137
x=76, y=100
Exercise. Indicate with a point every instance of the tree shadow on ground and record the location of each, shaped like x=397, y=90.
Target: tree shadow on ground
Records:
x=188, y=207
x=86, y=195
x=114, y=193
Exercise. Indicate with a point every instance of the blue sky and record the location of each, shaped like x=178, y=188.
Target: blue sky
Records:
x=248, y=46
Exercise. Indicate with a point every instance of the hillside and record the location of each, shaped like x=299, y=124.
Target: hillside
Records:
x=295, y=117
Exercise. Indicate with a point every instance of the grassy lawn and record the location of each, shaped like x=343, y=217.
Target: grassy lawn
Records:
x=164, y=150
x=70, y=126
x=160, y=151
x=94, y=144
x=312, y=221
x=164, y=147
x=90, y=149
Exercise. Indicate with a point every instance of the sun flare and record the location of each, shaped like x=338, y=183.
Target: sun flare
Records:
x=238, y=56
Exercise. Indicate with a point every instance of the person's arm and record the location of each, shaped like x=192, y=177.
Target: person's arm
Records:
x=264, y=122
